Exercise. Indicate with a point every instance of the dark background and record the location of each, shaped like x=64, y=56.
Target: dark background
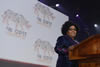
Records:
x=88, y=10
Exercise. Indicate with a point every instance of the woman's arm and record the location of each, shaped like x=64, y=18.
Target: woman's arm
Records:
x=61, y=47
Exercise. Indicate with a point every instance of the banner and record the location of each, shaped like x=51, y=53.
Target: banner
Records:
x=28, y=31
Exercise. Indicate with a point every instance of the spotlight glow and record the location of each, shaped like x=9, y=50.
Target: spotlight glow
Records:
x=57, y=5
x=77, y=15
x=95, y=25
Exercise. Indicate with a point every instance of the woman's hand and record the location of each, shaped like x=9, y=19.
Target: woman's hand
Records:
x=71, y=47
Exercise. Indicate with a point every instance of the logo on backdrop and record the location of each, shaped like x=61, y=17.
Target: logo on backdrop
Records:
x=44, y=51
x=15, y=24
x=45, y=17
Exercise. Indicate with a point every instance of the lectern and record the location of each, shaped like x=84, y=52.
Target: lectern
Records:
x=87, y=53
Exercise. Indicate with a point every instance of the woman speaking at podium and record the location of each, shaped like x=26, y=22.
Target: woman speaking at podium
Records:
x=67, y=40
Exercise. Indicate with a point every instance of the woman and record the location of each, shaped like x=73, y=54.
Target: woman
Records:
x=69, y=31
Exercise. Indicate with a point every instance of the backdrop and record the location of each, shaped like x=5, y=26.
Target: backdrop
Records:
x=28, y=31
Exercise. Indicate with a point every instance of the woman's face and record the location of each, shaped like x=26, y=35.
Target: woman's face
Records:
x=72, y=31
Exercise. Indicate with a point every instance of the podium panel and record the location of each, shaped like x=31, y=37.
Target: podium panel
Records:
x=89, y=65
x=87, y=53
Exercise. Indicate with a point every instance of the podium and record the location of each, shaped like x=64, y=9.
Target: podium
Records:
x=87, y=53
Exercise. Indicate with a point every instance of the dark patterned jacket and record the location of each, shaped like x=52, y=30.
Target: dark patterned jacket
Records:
x=61, y=48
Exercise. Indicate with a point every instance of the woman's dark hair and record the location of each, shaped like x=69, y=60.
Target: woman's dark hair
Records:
x=66, y=25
